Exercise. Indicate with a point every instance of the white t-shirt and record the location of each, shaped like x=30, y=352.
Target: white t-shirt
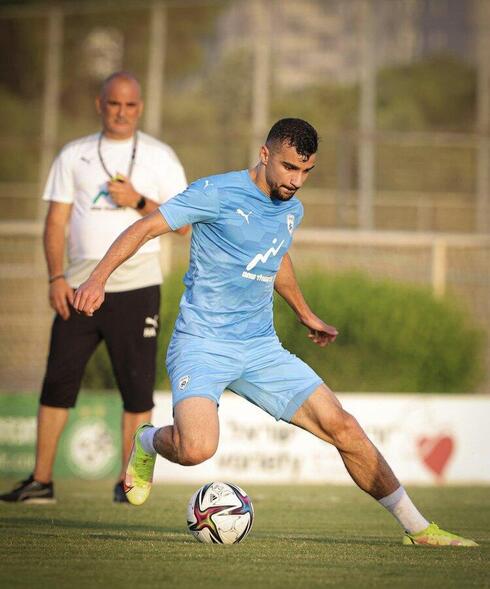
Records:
x=77, y=177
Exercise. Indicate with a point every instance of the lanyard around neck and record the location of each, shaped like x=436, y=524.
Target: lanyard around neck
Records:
x=131, y=163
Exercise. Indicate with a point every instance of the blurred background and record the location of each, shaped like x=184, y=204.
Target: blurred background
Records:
x=399, y=91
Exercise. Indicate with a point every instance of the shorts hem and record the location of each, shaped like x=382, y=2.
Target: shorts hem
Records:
x=57, y=405
x=297, y=401
x=138, y=410
x=189, y=396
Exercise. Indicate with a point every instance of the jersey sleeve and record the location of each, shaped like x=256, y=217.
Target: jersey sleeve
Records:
x=199, y=203
x=60, y=185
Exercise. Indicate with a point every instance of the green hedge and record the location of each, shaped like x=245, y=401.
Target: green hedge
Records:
x=393, y=337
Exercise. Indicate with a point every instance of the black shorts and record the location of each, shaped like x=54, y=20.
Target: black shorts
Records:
x=128, y=323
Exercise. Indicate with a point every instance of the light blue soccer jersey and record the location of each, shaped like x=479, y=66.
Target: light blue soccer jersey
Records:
x=239, y=236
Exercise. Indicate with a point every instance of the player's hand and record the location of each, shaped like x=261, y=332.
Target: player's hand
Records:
x=61, y=297
x=319, y=332
x=89, y=296
x=122, y=192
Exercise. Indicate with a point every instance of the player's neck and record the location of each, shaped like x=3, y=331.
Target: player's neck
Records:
x=257, y=174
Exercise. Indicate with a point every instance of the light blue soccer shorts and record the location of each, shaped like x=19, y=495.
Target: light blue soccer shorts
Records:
x=259, y=370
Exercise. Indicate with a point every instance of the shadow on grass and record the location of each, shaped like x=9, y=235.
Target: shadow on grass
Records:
x=326, y=540
x=121, y=530
x=107, y=530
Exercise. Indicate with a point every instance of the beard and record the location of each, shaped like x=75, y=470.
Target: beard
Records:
x=284, y=195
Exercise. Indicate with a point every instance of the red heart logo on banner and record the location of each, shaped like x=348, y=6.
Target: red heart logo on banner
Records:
x=435, y=452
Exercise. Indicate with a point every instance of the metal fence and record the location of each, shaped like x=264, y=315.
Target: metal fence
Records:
x=450, y=265
x=398, y=90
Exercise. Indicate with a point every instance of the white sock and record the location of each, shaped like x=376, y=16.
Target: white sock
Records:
x=401, y=507
x=146, y=439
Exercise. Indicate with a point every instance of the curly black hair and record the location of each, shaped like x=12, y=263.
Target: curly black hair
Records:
x=296, y=133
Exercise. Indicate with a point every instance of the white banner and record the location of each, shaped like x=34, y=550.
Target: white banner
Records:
x=427, y=439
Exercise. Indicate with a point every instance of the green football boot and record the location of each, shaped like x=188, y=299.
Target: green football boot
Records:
x=434, y=536
x=139, y=472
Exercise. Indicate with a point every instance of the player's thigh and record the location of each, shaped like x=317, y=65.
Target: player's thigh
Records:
x=201, y=368
x=274, y=379
x=196, y=426
x=323, y=415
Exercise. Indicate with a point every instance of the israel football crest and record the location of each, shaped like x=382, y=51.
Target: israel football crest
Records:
x=290, y=224
x=183, y=382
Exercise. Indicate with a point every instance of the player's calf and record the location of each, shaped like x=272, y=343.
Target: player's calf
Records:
x=194, y=452
x=187, y=449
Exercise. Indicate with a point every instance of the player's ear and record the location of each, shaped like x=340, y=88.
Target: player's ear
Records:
x=264, y=155
x=98, y=105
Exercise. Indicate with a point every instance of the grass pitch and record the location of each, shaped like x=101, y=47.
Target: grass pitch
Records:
x=303, y=537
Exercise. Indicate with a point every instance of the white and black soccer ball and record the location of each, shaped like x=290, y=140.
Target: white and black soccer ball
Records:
x=220, y=513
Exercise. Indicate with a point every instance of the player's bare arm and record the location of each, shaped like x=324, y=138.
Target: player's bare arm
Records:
x=287, y=286
x=60, y=292
x=90, y=295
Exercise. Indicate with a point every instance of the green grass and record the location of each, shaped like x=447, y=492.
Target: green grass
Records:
x=303, y=537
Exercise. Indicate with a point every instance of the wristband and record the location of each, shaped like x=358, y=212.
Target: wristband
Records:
x=57, y=277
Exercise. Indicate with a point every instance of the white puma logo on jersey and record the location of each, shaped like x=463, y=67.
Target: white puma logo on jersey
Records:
x=206, y=184
x=273, y=251
x=244, y=215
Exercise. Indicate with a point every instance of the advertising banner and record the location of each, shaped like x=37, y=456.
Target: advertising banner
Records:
x=427, y=439
x=89, y=447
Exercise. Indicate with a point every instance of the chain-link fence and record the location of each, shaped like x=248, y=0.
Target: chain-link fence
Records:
x=398, y=90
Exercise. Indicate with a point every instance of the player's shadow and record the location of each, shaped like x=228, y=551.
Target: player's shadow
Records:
x=325, y=540
x=103, y=530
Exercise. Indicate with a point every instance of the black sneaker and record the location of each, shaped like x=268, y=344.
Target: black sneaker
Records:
x=119, y=494
x=30, y=491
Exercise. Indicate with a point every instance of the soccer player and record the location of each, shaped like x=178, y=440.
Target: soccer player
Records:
x=243, y=224
x=97, y=187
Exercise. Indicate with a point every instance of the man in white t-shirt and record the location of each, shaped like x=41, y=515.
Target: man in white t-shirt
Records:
x=98, y=186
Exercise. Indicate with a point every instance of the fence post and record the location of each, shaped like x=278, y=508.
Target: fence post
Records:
x=261, y=75
x=52, y=75
x=156, y=65
x=155, y=80
x=344, y=184
x=367, y=117
x=425, y=214
x=439, y=267
x=482, y=220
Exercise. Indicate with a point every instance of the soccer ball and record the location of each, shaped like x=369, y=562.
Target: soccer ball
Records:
x=220, y=513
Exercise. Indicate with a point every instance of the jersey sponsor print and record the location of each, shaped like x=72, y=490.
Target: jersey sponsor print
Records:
x=239, y=238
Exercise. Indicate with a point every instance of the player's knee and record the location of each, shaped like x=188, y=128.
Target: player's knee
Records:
x=195, y=452
x=344, y=429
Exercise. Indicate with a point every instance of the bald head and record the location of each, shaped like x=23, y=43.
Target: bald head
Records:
x=119, y=105
x=117, y=76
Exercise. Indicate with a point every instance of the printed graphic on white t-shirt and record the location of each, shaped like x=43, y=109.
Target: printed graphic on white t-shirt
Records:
x=77, y=177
